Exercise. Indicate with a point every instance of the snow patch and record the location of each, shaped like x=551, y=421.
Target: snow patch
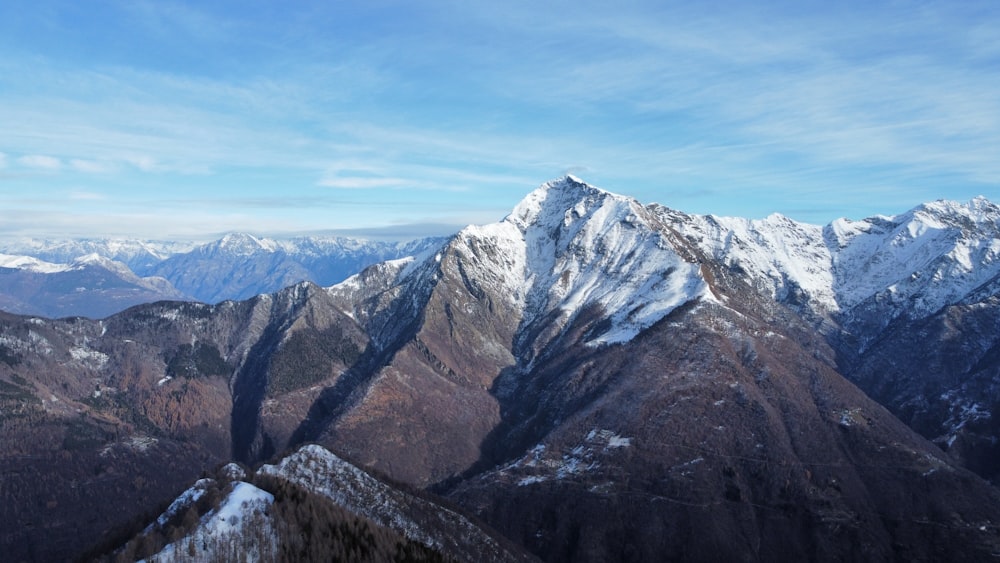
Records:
x=170, y=314
x=140, y=443
x=852, y=417
x=185, y=499
x=617, y=441
x=540, y=464
x=244, y=506
x=86, y=355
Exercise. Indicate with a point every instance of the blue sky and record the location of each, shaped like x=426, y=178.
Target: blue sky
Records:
x=399, y=119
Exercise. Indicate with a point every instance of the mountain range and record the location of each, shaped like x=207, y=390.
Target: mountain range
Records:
x=589, y=379
x=97, y=278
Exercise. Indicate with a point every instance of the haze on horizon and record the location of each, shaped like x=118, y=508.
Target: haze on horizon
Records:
x=188, y=119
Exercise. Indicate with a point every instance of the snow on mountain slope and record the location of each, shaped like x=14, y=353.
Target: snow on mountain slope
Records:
x=242, y=512
x=30, y=264
x=873, y=270
x=84, y=262
x=96, y=260
x=585, y=246
x=787, y=259
x=237, y=266
x=322, y=472
x=921, y=260
x=91, y=286
x=139, y=255
x=240, y=265
x=240, y=244
x=311, y=506
x=569, y=247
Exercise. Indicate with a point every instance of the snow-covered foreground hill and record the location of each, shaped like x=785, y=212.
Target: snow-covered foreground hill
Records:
x=311, y=506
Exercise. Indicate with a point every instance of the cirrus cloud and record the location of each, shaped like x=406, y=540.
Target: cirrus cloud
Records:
x=40, y=161
x=361, y=183
x=91, y=166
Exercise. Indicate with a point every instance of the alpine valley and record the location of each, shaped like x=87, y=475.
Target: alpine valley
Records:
x=589, y=379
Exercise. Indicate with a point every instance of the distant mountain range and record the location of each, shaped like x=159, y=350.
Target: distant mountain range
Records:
x=589, y=379
x=97, y=278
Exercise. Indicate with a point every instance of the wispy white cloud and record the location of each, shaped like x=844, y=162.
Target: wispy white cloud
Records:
x=91, y=166
x=142, y=162
x=362, y=183
x=40, y=161
x=86, y=196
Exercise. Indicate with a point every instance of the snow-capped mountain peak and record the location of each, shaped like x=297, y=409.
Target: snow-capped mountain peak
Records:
x=879, y=268
x=92, y=258
x=568, y=252
x=243, y=244
x=979, y=210
x=569, y=246
x=549, y=202
x=95, y=260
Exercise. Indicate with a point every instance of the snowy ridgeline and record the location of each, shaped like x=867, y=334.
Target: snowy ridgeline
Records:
x=320, y=471
x=917, y=262
x=569, y=246
x=248, y=523
x=239, y=529
x=140, y=255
